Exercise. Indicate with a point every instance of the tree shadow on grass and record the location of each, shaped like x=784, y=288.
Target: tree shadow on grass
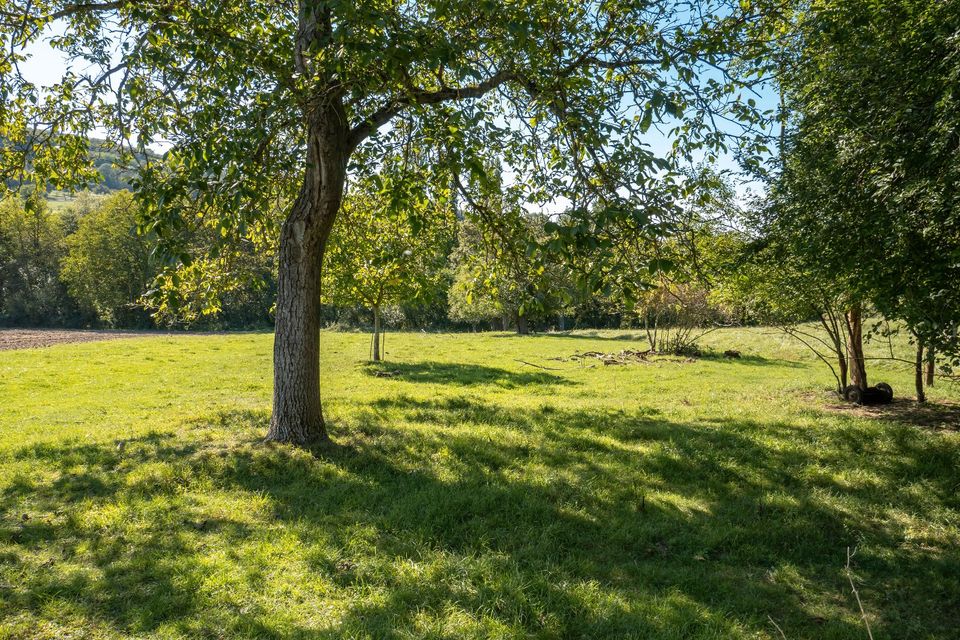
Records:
x=749, y=360
x=465, y=375
x=458, y=518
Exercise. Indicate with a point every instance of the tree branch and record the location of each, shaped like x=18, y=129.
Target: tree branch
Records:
x=385, y=113
x=92, y=7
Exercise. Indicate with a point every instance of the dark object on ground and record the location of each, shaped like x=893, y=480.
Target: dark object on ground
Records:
x=880, y=394
x=730, y=353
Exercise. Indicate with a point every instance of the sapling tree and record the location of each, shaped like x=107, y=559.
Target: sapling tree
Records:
x=267, y=106
x=778, y=287
x=498, y=271
x=377, y=257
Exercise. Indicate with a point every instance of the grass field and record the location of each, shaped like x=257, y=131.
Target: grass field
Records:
x=470, y=496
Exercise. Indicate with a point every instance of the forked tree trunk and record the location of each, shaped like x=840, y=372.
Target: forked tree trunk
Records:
x=651, y=330
x=376, y=334
x=297, y=415
x=855, y=359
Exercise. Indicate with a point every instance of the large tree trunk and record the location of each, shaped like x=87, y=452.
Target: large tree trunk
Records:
x=522, y=327
x=297, y=416
x=376, y=334
x=855, y=359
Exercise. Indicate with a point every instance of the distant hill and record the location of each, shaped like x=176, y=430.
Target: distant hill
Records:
x=106, y=161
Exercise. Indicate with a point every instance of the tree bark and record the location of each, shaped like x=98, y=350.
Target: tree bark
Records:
x=855, y=359
x=376, y=333
x=297, y=414
x=842, y=365
x=522, y=327
x=921, y=396
x=931, y=366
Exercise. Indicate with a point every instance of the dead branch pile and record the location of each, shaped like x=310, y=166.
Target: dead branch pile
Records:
x=627, y=356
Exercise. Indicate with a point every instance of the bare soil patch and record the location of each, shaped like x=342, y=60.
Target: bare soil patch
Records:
x=930, y=415
x=33, y=338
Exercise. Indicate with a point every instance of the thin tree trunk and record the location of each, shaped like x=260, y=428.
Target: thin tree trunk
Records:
x=842, y=365
x=376, y=333
x=297, y=415
x=856, y=361
x=921, y=396
x=931, y=365
x=828, y=320
x=505, y=322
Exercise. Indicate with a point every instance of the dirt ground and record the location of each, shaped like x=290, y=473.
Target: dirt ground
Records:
x=943, y=415
x=32, y=338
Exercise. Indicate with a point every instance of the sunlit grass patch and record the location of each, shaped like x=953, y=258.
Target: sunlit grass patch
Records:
x=468, y=496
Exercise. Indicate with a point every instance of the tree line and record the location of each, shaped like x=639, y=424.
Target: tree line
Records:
x=92, y=264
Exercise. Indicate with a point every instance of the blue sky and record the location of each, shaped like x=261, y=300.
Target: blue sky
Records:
x=46, y=65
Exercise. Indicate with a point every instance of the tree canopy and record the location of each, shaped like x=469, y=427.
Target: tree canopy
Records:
x=867, y=198
x=565, y=91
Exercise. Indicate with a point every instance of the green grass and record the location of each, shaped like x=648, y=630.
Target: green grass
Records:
x=469, y=496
